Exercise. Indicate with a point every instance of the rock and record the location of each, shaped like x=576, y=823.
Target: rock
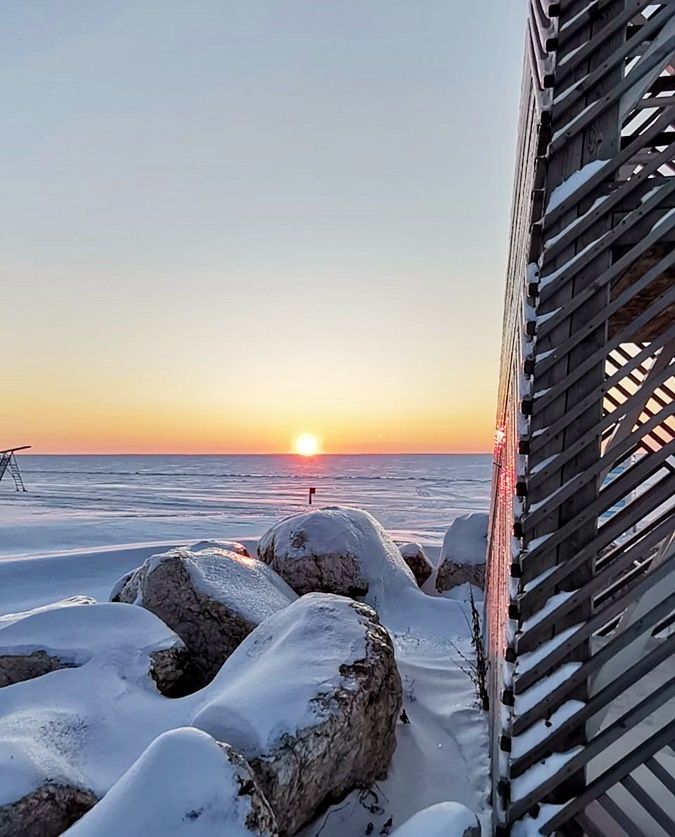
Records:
x=446, y=819
x=14, y=668
x=46, y=812
x=68, y=637
x=311, y=699
x=335, y=550
x=463, y=553
x=414, y=556
x=212, y=599
x=185, y=783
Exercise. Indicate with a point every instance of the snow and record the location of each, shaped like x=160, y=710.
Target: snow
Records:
x=84, y=725
x=552, y=603
x=465, y=542
x=532, y=658
x=537, y=692
x=440, y=820
x=86, y=521
x=523, y=743
x=540, y=772
x=295, y=649
x=245, y=584
x=183, y=784
x=71, y=601
x=574, y=181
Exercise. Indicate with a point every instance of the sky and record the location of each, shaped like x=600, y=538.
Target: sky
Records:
x=226, y=222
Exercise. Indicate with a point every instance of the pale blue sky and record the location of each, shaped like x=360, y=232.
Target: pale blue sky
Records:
x=260, y=207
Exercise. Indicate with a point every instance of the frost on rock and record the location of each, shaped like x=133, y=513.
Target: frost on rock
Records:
x=445, y=819
x=336, y=550
x=463, y=553
x=185, y=783
x=212, y=598
x=311, y=699
x=415, y=557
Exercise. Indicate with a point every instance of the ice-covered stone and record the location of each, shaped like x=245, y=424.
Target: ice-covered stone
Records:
x=311, y=699
x=213, y=598
x=185, y=783
x=463, y=553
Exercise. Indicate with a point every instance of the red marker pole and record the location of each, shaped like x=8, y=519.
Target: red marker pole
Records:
x=312, y=492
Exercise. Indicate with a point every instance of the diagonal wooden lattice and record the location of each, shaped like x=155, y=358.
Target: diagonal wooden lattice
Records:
x=580, y=590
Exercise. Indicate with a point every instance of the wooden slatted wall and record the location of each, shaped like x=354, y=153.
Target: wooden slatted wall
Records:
x=580, y=590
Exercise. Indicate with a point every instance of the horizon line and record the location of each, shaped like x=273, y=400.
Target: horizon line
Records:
x=267, y=453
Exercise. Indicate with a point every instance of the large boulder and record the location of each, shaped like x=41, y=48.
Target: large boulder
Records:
x=336, y=550
x=50, y=639
x=311, y=699
x=445, y=819
x=184, y=785
x=414, y=556
x=212, y=598
x=463, y=553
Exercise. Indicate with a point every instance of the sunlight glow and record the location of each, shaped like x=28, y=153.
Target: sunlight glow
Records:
x=306, y=444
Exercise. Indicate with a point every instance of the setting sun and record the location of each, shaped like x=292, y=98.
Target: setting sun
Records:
x=306, y=444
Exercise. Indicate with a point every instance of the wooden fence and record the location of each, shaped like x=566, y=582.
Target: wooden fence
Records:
x=580, y=591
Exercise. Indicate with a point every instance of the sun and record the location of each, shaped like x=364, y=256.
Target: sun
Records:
x=306, y=444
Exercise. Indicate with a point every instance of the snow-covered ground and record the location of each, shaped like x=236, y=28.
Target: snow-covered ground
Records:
x=86, y=521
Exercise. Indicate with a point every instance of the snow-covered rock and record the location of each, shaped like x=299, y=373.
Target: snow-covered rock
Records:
x=230, y=546
x=185, y=783
x=445, y=819
x=415, y=557
x=212, y=598
x=311, y=699
x=67, y=637
x=336, y=550
x=463, y=553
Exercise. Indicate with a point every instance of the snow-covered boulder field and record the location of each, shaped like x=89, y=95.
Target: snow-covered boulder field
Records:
x=445, y=819
x=336, y=550
x=210, y=596
x=311, y=699
x=415, y=557
x=463, y=553
x=185, y=783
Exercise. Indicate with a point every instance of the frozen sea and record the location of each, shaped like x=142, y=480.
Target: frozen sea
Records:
x=76, y=502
